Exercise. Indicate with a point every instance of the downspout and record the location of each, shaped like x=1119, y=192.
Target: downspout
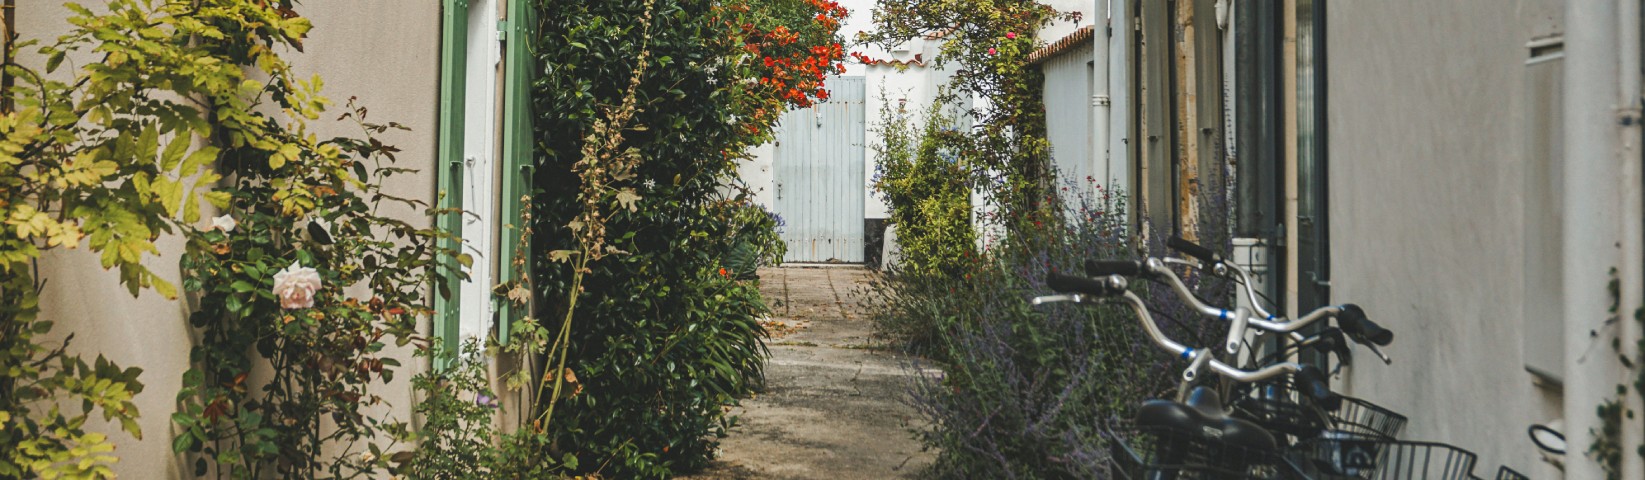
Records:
x=1632, y=271
x=1116, y=86
x=1596, y=213
x=1288, y=122
x=1100, y=103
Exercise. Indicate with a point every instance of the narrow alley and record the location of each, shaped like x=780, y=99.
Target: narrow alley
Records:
x=833, y=407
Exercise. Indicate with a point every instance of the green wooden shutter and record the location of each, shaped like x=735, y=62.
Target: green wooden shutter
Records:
x=519, y=65
x=449, y=164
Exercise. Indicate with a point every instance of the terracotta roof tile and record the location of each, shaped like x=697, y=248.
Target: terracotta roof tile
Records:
x=1074, y=40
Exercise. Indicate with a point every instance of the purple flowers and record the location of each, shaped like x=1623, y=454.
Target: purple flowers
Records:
x=484, y=400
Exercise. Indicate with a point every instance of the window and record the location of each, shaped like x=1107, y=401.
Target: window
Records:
x=1543, y=342
x=484, y=156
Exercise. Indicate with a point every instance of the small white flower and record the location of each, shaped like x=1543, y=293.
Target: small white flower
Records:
x=225, y=223
x=650, y=184
x=367, y=457
x=295, y=286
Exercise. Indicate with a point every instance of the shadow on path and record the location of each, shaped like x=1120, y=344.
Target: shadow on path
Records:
x=834, y=406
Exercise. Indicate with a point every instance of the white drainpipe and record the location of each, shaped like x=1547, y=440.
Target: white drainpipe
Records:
x=1601, y=218
x=1118, y=93
x=1632, y=221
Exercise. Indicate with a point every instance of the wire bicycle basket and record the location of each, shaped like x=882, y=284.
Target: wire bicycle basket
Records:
x=1506, y=473
x=1163, y=453
x=1360, y=417
x=1342, y=456
x=1281, y=408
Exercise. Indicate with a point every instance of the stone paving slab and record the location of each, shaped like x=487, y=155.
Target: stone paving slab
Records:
x=834, y=406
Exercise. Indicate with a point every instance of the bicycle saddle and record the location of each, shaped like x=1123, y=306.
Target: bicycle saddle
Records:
x=1203, y=415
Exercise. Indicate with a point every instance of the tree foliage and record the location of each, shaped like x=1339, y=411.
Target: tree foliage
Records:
x=988, y=42
x=643, y=112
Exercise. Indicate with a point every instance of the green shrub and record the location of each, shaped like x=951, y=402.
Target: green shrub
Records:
x=456, y=438
x=643, y=111
x=920, y=176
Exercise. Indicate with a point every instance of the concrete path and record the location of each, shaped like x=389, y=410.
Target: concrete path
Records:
x=834, y=405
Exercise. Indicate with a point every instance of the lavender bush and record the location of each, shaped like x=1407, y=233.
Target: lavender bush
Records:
x=1028, y=391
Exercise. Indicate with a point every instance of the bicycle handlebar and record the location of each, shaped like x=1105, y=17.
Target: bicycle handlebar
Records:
x=1192, y=249
x=1100, y=268
x=1214, y=263
x=1202, y=357
x=1360, y=328
x=1105, y=287
x=1351, y=317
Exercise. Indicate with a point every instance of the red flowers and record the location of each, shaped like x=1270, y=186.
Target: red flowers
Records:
x=792, y=62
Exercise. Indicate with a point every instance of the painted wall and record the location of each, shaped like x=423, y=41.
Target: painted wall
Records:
x=1068, y=113
x=1427, y=114
x=911, y=91
x=383, y=51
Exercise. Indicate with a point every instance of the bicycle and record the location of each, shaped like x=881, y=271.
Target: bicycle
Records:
x=1196, y=436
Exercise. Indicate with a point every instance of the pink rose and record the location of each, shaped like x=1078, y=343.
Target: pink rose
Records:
x=1011, y=35
x=990, y=50
x=296, y=286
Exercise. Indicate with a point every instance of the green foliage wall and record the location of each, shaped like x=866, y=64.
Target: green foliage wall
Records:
x=664, y=337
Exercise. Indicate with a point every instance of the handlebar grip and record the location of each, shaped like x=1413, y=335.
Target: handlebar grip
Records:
x=1332, y=340
x=1099, y=268
x=1193, y=250
x=1311, y=382
x=1077, y=284
x=1360, y=328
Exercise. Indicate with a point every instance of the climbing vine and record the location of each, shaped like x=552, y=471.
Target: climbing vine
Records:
x=301, y=223
x=82, y=164
x=988, y=42
x=1607, y=441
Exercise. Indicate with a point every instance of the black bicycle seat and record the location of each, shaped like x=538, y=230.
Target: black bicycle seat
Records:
x=1204, y=415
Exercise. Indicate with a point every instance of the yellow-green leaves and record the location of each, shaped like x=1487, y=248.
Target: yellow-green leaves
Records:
x=27, y=223
x=282, y=154
x=174, y=151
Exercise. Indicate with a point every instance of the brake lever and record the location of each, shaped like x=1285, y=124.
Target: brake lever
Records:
x=1374, y=349
x=1066, y=297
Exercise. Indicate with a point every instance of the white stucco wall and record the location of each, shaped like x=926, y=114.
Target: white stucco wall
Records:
x=1426, y=115
x=386, y=52
x=914, y=90
x=1068, y=114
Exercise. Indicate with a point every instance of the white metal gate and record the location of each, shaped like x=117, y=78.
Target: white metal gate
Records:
x=819, y=182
